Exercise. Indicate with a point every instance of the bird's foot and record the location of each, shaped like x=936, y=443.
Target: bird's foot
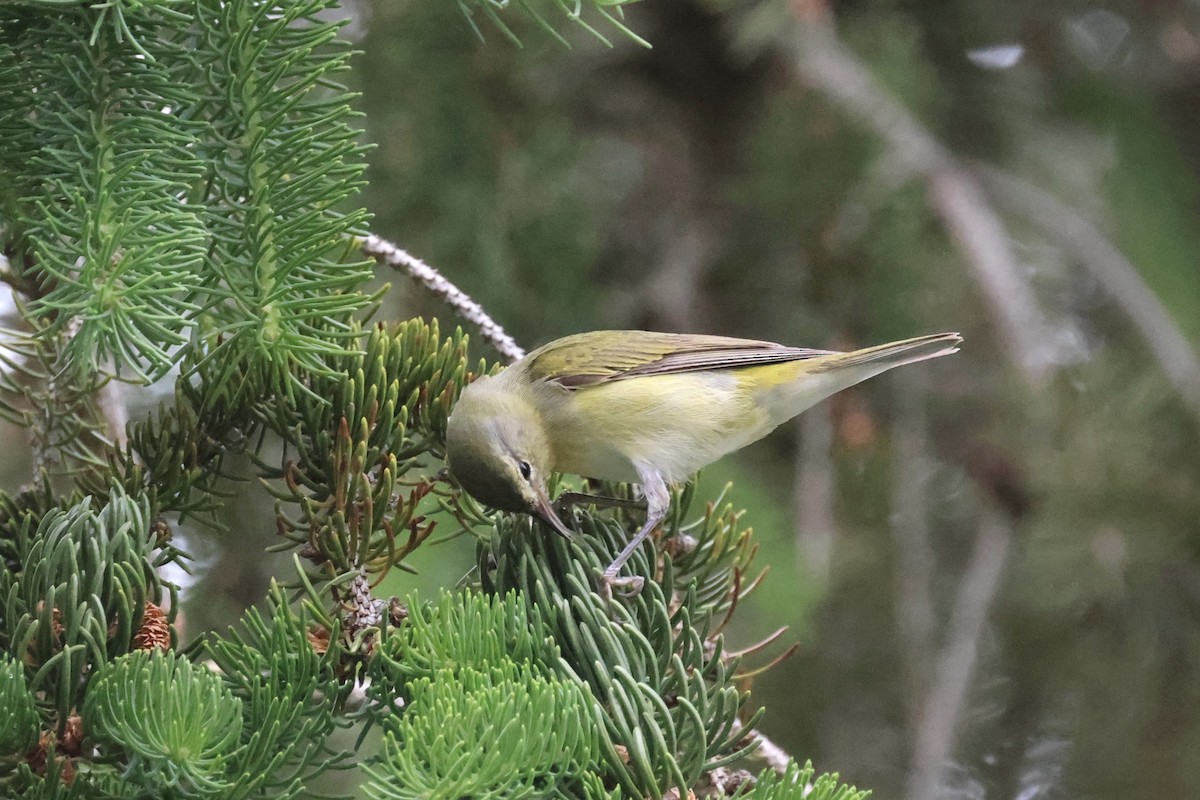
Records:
x=627, y=585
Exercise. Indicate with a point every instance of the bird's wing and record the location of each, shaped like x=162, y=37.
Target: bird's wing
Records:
x=586, y=359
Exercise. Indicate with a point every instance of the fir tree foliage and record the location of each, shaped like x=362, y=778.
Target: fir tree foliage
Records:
x=290, y=692
x=174, y=190
x=174, y=719
x=79, y=590
x=381, y=411
x=481, y=669
x=655, y=662
x=528, y=736
x=466, y=632
x=802, y=783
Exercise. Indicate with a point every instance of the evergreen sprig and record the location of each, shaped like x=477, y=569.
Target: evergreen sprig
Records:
x=212, y=163
x=176, y=185
x=174, y=719
x=802, y=783
x=354, y=441
x=116, y=246
x=466, y=631
x=176, y=454
x=19, y=719
x=664, y=684
x=290, y=690
x=505, y=733
x=282, y=287
x=78, y=596
x=475, y=704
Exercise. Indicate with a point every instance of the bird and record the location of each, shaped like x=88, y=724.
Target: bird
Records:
x=641, y=407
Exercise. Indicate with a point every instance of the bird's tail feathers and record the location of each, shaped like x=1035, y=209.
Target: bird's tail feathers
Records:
x=885, y=356
x=818, y=378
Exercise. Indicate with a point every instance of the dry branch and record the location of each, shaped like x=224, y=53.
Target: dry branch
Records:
x=387, y=253
x=1077, y=235
x=825, y=64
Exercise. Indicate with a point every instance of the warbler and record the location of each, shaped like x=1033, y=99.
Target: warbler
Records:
x=641, y=407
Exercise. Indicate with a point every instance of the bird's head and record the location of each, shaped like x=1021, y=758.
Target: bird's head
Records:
x=499, y=452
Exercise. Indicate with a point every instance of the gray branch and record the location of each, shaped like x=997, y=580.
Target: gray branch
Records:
x=387, y=253
x=1077, y=235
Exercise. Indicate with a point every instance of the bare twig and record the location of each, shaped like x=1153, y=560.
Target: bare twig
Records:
x=771, y=754
x=385, y=252
x=955, y=665
x=825, y=64
x=1072, y=231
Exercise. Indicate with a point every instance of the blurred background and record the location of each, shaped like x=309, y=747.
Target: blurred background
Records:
x=990, y=563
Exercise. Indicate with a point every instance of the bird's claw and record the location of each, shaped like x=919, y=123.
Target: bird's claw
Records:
x=630, y=585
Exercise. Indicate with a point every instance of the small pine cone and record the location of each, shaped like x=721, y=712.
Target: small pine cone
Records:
x=155, y=631
x=65, y=749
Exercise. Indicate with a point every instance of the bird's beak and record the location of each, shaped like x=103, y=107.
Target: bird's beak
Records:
x=546, y=513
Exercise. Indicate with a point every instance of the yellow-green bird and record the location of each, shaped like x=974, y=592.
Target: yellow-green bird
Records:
x=641, y=407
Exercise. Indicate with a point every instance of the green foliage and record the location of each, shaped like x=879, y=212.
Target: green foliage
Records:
x=504, y=733
x=175, y=176
x=467, y=632
x=289, y=692
x=118, y=251
x=176, y=719
x=176, y=454
x=19, y=720
x=282, y=158
x=356, y=437
x=469, y=693
x=797, y=783
x=656, y=662
x=78, y=595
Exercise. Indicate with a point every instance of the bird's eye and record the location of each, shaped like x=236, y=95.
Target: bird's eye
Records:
x=526, y=470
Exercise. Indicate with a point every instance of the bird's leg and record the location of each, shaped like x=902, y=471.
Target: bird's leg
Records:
x=658, y=500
